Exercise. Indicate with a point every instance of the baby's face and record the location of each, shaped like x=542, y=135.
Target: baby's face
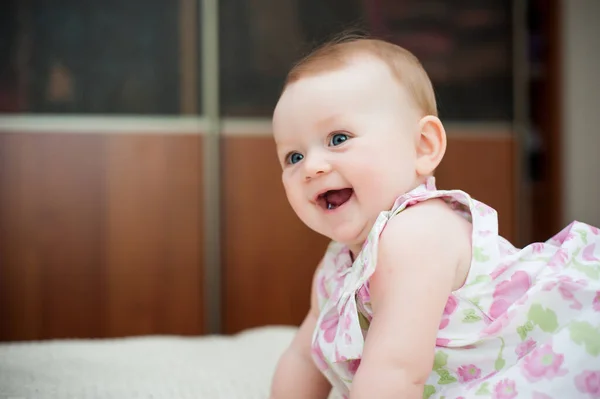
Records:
x=346, y=141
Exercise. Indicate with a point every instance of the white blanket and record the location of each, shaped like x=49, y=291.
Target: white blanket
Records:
x=154, y=367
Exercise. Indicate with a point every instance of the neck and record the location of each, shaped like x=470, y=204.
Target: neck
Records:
x=354, y=251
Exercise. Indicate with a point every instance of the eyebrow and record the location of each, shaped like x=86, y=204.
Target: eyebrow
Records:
x=328, y=120
x=281, y=150
x=320, y=124
x=279, y=144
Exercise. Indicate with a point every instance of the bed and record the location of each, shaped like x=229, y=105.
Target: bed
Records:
x=149, y=367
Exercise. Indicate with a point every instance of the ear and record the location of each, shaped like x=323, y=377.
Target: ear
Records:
x=431, y=145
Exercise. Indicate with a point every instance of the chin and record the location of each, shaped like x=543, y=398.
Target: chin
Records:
x=351, y=238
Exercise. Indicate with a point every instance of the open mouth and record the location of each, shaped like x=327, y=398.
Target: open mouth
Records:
x=333, y=199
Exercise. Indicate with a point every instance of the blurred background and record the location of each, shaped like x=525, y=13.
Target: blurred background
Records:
x=139, y=187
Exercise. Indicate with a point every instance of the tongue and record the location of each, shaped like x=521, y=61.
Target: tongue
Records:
x=338, y=197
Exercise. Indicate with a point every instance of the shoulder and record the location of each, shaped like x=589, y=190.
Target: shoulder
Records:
x=430, y=221
x=429, y=234
x=418, y=257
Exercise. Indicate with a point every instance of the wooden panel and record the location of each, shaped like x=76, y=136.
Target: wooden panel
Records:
x=484, y=168
x=153, y=235
x=50, y=216
x=100, y=235
x=269, y=255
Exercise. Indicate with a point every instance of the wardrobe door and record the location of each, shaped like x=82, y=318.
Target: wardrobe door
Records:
x=101, y=170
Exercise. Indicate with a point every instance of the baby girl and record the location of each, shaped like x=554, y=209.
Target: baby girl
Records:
x=417, y=295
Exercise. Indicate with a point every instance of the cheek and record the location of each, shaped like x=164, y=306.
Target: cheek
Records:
x=288, y=188
x=293, y=194
x=366, y=169
x=300, y=206
x=386, y=175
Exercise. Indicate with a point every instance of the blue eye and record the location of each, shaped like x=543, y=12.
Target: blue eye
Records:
x=338, y=139
x=294, y=157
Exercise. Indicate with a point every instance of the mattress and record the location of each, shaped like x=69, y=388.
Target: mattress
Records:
x=149, y=367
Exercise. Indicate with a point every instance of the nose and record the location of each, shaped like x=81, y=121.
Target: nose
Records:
x=314, y=165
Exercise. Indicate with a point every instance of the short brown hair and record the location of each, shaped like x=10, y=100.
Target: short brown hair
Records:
x=405, y=67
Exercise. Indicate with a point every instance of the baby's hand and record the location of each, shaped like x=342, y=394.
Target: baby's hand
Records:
x=297, y=375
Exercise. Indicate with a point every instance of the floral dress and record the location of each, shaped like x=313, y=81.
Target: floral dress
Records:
x=525, y=324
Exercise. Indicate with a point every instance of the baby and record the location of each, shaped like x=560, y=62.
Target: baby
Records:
x=417, y=295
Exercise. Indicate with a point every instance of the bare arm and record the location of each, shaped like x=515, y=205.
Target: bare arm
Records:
x=297, y=375
x=419, y=257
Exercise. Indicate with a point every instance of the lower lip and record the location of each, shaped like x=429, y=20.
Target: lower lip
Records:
x=339, y=207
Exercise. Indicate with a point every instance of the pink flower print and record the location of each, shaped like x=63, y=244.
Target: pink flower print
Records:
x=505, y=389
x=559, y=259
x=522, y=300
x=565, y=281
x=566, y=287
x=595, y=230
x=484, y=233
x=507, y=292
x=537, y=248
x=525, y=347
x=596, y=302
x=589, y=382
x=588, y=253
x=468, y=372
x=364, y=295
x=450, y=307
x=338, y=282
x=346, y=327
x=318, y=357
x=444, y=323
x=347, y=339
x=352, y=366
x=497, y=325
x=322, y=287
x=499, y=270
x=347, y=321
x=563, y=235
x=519, y=283
x=329, y=326
x=543, y=362
x=339, y=357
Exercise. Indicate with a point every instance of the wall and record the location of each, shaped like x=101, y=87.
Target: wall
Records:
x=581, y=122
x=101, y=234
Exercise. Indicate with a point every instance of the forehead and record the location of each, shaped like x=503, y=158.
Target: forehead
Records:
x=364, y=83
